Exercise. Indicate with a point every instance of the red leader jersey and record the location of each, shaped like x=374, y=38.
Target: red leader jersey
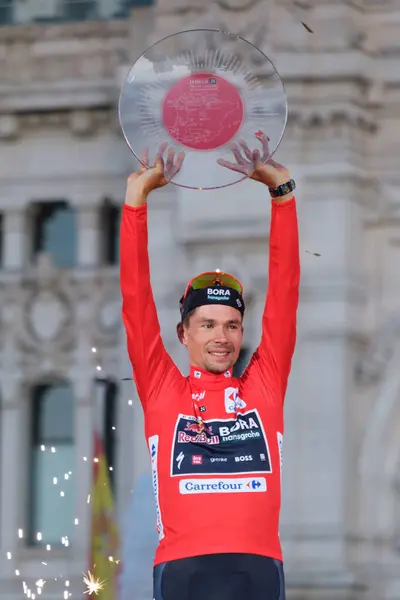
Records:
x=217, y=479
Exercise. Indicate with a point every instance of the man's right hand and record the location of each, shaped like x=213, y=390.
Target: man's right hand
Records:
x=147, y=179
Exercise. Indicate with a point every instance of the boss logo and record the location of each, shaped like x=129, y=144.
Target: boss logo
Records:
x=243, y=458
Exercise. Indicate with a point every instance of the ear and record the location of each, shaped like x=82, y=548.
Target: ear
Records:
x=180, y=333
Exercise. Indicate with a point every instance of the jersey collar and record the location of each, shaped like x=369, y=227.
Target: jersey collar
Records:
x=201, y=376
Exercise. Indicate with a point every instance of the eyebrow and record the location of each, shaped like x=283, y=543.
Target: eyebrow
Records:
x=230, y=322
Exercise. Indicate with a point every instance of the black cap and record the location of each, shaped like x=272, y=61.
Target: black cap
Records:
x=213, y=294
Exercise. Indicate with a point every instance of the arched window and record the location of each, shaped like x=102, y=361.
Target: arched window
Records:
x=52, y=459
x=55, y=232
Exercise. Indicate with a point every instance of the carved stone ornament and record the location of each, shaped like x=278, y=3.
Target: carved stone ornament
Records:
x=81, y=122
x=237, y=5
x=110, y=314
x=47, y=316
x=77, y=122
x=8, y=127
x=371, y=367
x=325, y=116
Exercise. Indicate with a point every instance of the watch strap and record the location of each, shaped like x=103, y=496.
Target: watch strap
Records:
x=283, y=189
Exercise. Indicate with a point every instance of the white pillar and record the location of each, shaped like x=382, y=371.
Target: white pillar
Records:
x=136, y=506
x=14, y=238
x=83, y=478
x=13, y=453
x=82, y=377
x=10, y=459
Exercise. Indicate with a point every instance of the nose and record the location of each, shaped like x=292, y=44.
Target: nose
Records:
x=220, y=335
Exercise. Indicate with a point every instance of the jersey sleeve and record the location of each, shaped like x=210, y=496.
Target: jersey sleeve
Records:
x=273, y=357
x=153, y=368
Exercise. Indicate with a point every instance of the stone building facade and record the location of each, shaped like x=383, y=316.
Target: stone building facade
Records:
x=63, y=364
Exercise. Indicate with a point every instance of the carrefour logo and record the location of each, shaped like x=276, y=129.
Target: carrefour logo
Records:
x=223, y=486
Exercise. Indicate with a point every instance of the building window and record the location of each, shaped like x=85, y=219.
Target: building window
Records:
x=57, y=11
x=52, y=458
x=110, y=224
x=241, y=362
x=107, y=409
x=80, y=10
x=55, y=232
x=6, y=12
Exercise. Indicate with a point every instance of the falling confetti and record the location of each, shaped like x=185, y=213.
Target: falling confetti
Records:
x=307, y=27
x=299, y=8
x=94, y=586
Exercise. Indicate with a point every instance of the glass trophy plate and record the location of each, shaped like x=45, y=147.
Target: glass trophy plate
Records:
x=202, y=91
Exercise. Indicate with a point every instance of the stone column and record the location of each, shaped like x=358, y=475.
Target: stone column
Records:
x=82, y=376
x=83, y=473
x=136, y=506
x=13, y=453
x=14, y=239
x=319, y=456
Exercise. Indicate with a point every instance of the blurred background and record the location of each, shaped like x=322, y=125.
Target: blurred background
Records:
x=74, y=470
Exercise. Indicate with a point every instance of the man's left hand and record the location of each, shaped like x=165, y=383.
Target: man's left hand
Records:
x=258, y=166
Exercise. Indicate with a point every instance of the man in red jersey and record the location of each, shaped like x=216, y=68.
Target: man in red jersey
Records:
x=215, y=441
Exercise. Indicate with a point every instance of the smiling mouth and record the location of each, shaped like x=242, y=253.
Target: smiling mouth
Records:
x=220, y=354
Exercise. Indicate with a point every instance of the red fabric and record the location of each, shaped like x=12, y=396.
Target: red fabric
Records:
x=234, y=460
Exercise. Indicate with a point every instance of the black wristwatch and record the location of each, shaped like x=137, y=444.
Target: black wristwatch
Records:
x=283, y=189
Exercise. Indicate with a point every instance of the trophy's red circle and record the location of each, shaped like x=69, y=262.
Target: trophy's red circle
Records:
x=202, y=111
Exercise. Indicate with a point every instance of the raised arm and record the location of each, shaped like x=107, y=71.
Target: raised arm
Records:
x=271, y=362
x=278, y=338
x=152, y=366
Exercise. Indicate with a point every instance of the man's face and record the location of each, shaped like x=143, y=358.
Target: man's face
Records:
x=213, y=337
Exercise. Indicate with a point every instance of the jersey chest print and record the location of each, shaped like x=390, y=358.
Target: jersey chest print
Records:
x=231, y=446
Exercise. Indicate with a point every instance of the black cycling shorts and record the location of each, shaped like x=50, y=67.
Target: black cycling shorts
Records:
x=220, y=577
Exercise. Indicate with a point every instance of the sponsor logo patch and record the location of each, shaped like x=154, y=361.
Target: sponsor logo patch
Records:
x=223, y=486
x=153, y=448
x=232, y=401
x=233, y=446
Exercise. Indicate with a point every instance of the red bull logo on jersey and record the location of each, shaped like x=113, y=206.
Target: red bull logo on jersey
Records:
x=203, y=434
x=199, y=427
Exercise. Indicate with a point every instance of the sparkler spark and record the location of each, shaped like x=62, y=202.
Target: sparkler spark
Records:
x=94, y=585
